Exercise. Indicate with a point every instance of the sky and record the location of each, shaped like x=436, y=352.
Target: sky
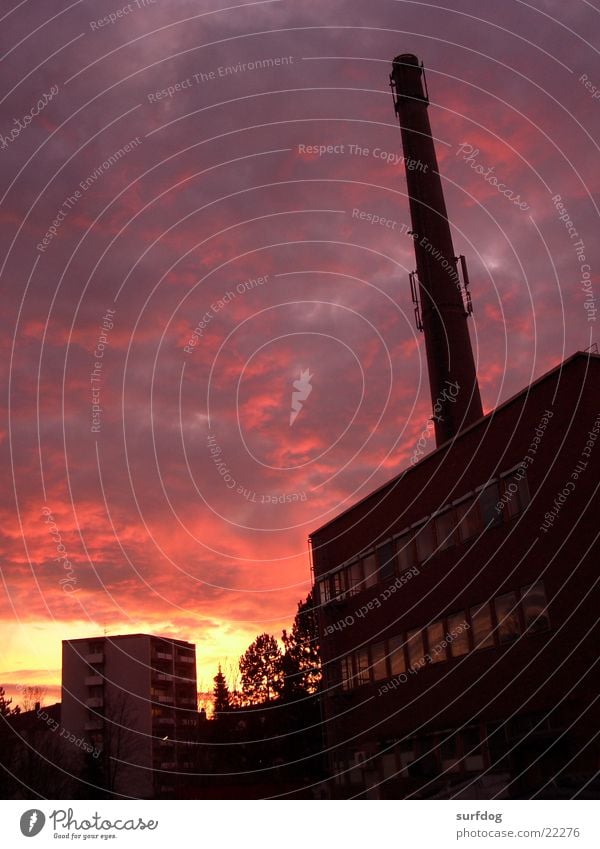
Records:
x=181, y=199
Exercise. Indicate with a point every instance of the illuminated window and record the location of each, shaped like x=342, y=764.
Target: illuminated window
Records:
x=445, y=529
x=386, y=560
x=435, y=638
x=362, y=667
x=481, y=627
x=355, y=576
x=370, y=570
x=414, y=644
x=379, y=662
x=457, y=628
x=396, y=649
x=507, y=614
x=425, y=541
x=467, y=519
x=535, y=608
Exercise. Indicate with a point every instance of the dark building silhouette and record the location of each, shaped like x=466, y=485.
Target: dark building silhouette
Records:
x=35, y=754
x=459, y=602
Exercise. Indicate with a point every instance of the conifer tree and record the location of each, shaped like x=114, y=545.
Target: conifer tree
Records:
x=221, y=697
x=261, y=670
x=5, y=705
x=301, y=659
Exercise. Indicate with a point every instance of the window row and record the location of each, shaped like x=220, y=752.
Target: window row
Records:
x=447, y=528
x=489, y=624
x=470, y=749
x=427, y=756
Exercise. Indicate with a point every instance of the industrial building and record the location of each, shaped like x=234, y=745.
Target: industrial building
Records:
x=459, y=602
x=133, y=698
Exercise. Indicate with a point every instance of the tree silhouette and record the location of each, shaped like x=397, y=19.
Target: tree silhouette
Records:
x=301, y=659
x=261, y=670
x=5, y=705
x=7, y=745
x=32, y=697
x=221, y=698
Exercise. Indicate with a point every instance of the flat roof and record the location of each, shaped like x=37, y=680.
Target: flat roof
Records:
x=127, y=636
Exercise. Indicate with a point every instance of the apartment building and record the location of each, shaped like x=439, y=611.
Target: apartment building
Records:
x=134, y=698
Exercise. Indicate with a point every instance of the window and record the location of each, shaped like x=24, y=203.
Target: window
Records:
x=333, y=673
x=346, y=672
x=406, y=552
x=507, y=614
x=516, y=492
x=435, y=638
x=339, y=584
x=425, y=541
x=355, y=576
x=378, y=659
x=324, y=592
x=535, y=608
x=355, y=775
x=468, y=519
x=445, y=525
x=97, y=740
x=497, y=744
x=414, y=643
x=473, y=755
x=523, y=724
x=471, y=740
x=488, y=501
x=481, y=626
x=449, y=748
x=386, y=562
x=397, y=662
x=339, y=767
x=370, y=570
x=389, y=768
x=459, y=633
x=407, y=753
x=362, y=667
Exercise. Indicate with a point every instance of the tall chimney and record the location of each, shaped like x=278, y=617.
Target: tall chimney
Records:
x=442, y=300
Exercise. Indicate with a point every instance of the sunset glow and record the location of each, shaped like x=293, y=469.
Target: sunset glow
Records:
x=197, y=263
